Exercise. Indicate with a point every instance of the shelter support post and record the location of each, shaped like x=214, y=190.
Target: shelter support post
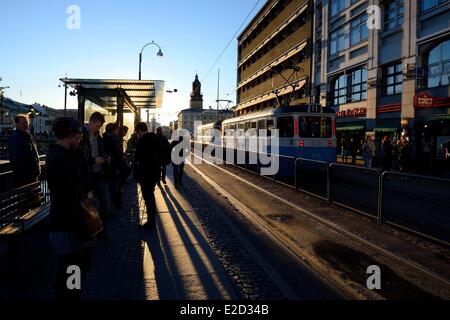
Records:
x=81, y=105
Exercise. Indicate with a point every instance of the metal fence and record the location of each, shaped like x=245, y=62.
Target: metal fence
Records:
x=312, y=177
x=419, y=204
x=354, y=187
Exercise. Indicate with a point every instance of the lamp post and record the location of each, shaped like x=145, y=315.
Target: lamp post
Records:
x=33, y=114
x=3, y=113
x=159, y=54
x=65, y=96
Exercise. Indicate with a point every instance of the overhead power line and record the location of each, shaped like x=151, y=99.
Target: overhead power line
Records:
x=231, y=40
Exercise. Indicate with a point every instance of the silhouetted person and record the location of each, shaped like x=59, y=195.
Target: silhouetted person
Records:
x=23, y=154
x=68, y=235
x=353, y=150
x=147, y=168
x=387, y=154
x=111, y=146
x=92, y=149
x=165, y=150
x=177, y=168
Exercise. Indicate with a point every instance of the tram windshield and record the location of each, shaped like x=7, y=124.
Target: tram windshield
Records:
x=315, y=127
x=285, y=125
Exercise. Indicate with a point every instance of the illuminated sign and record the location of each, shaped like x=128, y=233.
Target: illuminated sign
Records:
x=423, y=100
x=352, y=113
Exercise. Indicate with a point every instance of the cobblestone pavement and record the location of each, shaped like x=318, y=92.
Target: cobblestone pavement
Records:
x=192, y=255
x=248, y=277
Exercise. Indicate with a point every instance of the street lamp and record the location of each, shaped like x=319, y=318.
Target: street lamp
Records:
x=159, y=54
x=3, y=113
x=33, y=114
x=65, y=96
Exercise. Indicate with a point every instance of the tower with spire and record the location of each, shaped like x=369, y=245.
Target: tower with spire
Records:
x=196, y=102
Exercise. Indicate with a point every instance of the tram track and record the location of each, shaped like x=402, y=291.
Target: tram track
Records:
x=301, y=255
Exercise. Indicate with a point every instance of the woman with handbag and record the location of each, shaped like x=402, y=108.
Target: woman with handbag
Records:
x=69, y=232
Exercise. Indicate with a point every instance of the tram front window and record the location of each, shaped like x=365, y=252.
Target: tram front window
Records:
x=285, y=125
x=315, y=127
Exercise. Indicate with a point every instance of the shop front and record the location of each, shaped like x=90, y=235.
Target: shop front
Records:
x=351, y=124
x=432, y=132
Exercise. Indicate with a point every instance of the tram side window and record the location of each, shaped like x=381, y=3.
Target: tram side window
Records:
x=270, y=123
x=285, y=125
x=261, y=125
x=315, y=127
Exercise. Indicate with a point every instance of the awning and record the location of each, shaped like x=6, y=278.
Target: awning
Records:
x=439, y=117
x=350, y=127
x=138, y=94
x=387, y=125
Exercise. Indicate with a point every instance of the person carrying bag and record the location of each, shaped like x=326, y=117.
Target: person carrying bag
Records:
x=73, y=220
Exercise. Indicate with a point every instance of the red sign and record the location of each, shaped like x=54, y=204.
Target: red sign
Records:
x=423, y=100
x=352, y=113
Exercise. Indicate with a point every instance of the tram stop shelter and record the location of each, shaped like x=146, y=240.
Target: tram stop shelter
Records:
x=117, y=96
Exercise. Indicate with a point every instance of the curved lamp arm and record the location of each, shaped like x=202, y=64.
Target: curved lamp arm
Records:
x=159, y=54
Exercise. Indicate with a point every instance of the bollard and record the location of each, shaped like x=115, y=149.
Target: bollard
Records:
x=380, y=198
x=329, y=183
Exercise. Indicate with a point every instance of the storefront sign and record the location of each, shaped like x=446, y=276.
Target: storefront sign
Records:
x=423, y=100
x=352, y=113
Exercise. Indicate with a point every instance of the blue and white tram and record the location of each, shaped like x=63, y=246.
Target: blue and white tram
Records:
x=305, y=131
x=206, y=133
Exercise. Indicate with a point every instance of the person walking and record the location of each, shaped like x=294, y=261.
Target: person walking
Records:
x=369, y=151
x=23, y=154
x=404, y=155
x=165, y=150
x=387, y=154
x=353, y=150
x=147, y=171
x=111, y=146
x=68, y=237
x=178, y=169
x=345, y=150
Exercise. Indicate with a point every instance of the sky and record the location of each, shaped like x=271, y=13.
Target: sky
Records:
x=37, y=48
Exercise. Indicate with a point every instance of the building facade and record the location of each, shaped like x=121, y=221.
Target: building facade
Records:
x=275, y=46
x=391, y=79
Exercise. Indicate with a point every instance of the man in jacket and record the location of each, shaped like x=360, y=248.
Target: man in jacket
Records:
x=23, y=154
x=148, y=168
x=96, y=163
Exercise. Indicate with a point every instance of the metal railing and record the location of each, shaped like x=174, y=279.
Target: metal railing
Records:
x=418, y=204
x=7, y=179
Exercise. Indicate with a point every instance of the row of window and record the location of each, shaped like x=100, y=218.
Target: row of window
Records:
x=267, y=20
x=358, y=32
x=353, y=87
x=350, y=87
x=309, y=127
x=393, y=18
x=439, y=65
x=428, y=4
x=295, y=60
x=276, y=40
